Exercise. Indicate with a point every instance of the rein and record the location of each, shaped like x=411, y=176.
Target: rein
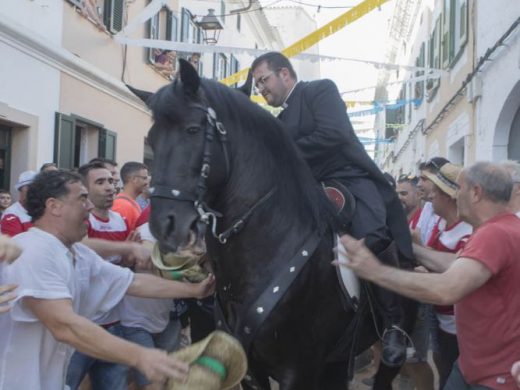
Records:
x=207, y=216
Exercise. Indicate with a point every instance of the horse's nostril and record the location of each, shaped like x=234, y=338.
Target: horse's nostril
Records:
x=171, y=225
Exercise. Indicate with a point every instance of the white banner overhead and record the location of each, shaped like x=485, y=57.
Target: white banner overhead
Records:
x=156, y=5
x=201, y=48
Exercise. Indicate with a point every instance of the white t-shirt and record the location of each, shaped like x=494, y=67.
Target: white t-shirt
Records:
x=150, y=314
x=30, y=357
x=112, y=229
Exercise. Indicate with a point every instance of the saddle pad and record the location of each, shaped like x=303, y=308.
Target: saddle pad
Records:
x=348, y=279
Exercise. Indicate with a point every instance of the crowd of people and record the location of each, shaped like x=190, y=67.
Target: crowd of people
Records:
x=78, y=294
x=83, y=295
x=465, y=235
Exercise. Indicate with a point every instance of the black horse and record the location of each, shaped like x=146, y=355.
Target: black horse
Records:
x=215, y=150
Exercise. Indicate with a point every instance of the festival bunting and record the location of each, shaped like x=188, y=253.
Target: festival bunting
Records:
x=382, y=107
x=313, y=38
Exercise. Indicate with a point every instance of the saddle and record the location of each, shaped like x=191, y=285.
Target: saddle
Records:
x=345, y=205
x=343, y=201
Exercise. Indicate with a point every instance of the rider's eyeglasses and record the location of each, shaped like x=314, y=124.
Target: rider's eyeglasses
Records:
x=260, y=83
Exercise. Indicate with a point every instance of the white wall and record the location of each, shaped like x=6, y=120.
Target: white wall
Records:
x=500, y=97
x=28, y=83
x=294, y=23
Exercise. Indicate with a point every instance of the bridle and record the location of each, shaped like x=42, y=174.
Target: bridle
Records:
x=208, y=216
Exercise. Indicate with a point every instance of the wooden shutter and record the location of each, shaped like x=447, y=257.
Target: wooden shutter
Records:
x=107, y=144
x=185, y=25
x=113, y=15
x=463, y=22
x=64, y=141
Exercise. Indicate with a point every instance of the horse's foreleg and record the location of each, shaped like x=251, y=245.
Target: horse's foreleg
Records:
x=335, y=376
x=384, y=377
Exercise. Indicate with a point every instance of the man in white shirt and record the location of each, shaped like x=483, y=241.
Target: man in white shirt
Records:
x=61, y=283
x=9, y=251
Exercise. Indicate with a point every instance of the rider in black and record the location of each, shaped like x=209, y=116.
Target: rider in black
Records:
x=315, y=115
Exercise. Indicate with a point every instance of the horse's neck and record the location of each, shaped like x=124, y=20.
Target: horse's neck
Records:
x=270, y=238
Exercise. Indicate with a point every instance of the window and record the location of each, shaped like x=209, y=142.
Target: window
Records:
x=434, y=60
x=419, y=85
x=454, y=30
x=190, y=32
x=113, y=14
x=78, y=140
x=220, y=66
x=239, y=22
x=5, y=156
x=233, y=67
x=162, y=26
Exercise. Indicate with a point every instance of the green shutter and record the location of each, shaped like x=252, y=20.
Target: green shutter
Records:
x=463, y=22
x=64, y=141
x=107, y=144
x=169, y=16
x=113, y=13
x=118, y=9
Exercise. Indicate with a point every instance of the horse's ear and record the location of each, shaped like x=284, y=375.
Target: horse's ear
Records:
x=189, y=77
x=248, y=85
x=143, y=95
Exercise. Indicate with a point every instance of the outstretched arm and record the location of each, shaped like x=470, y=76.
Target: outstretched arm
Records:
x=433, y=260
x=462, y=277
x=150, y=286
x=84, y=335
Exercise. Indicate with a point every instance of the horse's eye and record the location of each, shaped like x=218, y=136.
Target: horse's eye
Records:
x=192, y=130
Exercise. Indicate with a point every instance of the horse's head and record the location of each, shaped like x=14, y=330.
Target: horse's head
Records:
x=189, y=158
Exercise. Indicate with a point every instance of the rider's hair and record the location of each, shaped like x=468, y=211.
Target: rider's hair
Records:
x=275, y=62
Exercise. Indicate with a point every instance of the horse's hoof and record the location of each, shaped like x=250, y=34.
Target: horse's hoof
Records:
x=394, y=347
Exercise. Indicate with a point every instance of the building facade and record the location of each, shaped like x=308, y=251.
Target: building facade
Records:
x=432, y=115
x=466, y=108
x=63, y=96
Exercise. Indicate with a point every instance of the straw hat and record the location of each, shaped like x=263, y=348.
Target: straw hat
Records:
x=216, y=363
x=174, y=267
x=446, y=178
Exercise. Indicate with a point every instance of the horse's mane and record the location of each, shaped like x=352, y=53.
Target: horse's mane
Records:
x=297, y=188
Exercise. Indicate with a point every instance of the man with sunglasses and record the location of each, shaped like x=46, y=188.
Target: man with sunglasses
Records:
x=316, y=119
x=428, y=218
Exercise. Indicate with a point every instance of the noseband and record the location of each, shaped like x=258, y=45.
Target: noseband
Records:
x=208, y=216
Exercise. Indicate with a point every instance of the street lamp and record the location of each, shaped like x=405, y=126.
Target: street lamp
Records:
x=211, y=27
